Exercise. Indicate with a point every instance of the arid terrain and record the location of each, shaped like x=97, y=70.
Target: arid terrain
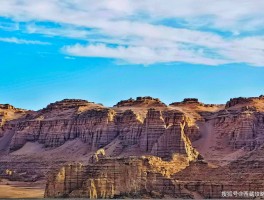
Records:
x=139, y=148
x=14, y=189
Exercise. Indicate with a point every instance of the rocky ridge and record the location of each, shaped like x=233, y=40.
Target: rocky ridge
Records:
x=158, y=146
x=117, y=178
x=141, y=102
x=161, y=133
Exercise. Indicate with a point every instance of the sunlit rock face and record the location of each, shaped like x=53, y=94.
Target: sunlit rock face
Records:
x=141, y=102
x=160, y=132
x=139, y=148
x=117, y=178
x=9, y=112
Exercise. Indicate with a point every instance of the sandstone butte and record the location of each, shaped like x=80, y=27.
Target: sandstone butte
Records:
x=139, y=148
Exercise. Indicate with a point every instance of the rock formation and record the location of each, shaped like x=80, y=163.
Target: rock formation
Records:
x=242, y=101
x=117, y=178
x=138, y=148
x=141, y=102
x=9, y=112
x=192, y=102
x=243, y=129
x=161, y=133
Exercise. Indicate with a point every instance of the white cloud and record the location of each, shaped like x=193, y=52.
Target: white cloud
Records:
x=65, y=31
x=141, y=54
x=136, y=31
x=247, y=50
x=22, y=41
x=222, y=14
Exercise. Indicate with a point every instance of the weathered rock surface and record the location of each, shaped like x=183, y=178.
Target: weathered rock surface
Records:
x=243, y=177
x=161, y=133
x=243, y=129
x=138, y=148
x=141, y=102
x=117, y=178
x=9, y=112
x=192, y=102
x=242, y=101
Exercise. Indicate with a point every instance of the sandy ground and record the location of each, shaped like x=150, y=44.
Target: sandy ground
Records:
x=70, y=150
x=14, y=189
x=29, y=148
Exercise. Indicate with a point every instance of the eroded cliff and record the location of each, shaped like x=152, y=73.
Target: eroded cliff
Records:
x=120, y=177
x=160, y=132
x=138, y=148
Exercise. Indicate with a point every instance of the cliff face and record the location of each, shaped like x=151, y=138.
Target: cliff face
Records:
x=94, y=127
x=243, y=128
x=242, y=101
x=162, y=132
x=9, y=112
x=117, y=178
x=138, y=148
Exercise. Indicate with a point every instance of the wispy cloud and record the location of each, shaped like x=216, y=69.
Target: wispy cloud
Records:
x=141, y=54
x=9, y=26
x=135, y=32
x=22, y=41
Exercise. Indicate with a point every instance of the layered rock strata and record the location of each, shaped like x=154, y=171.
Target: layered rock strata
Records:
x=192, y=102
x=243, y=129
x=161, y=133
x=117, y=178
x=141, y=101
x=140, y=148
x=243, y=100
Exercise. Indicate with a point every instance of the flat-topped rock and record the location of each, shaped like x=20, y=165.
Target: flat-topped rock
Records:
x=68, y=103
x=244, y=101
x=188, y=101
x=141, y=102
x=240, y=100
x=7, y=106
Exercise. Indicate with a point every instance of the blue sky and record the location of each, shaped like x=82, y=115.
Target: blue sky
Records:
x=109, y=50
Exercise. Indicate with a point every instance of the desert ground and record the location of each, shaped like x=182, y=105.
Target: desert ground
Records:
x=14, y=189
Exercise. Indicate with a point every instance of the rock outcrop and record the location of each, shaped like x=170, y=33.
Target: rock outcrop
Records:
x=235, y=101
x=243, y=100
x=141, y=102
x=95, y=127
x=160, y=133
x=138, y=148
x=192, y=102
x=9, y=112
x=243, y=129
x=117, y=178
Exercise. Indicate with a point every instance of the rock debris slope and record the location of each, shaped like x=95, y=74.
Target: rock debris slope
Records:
x=138, y=148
